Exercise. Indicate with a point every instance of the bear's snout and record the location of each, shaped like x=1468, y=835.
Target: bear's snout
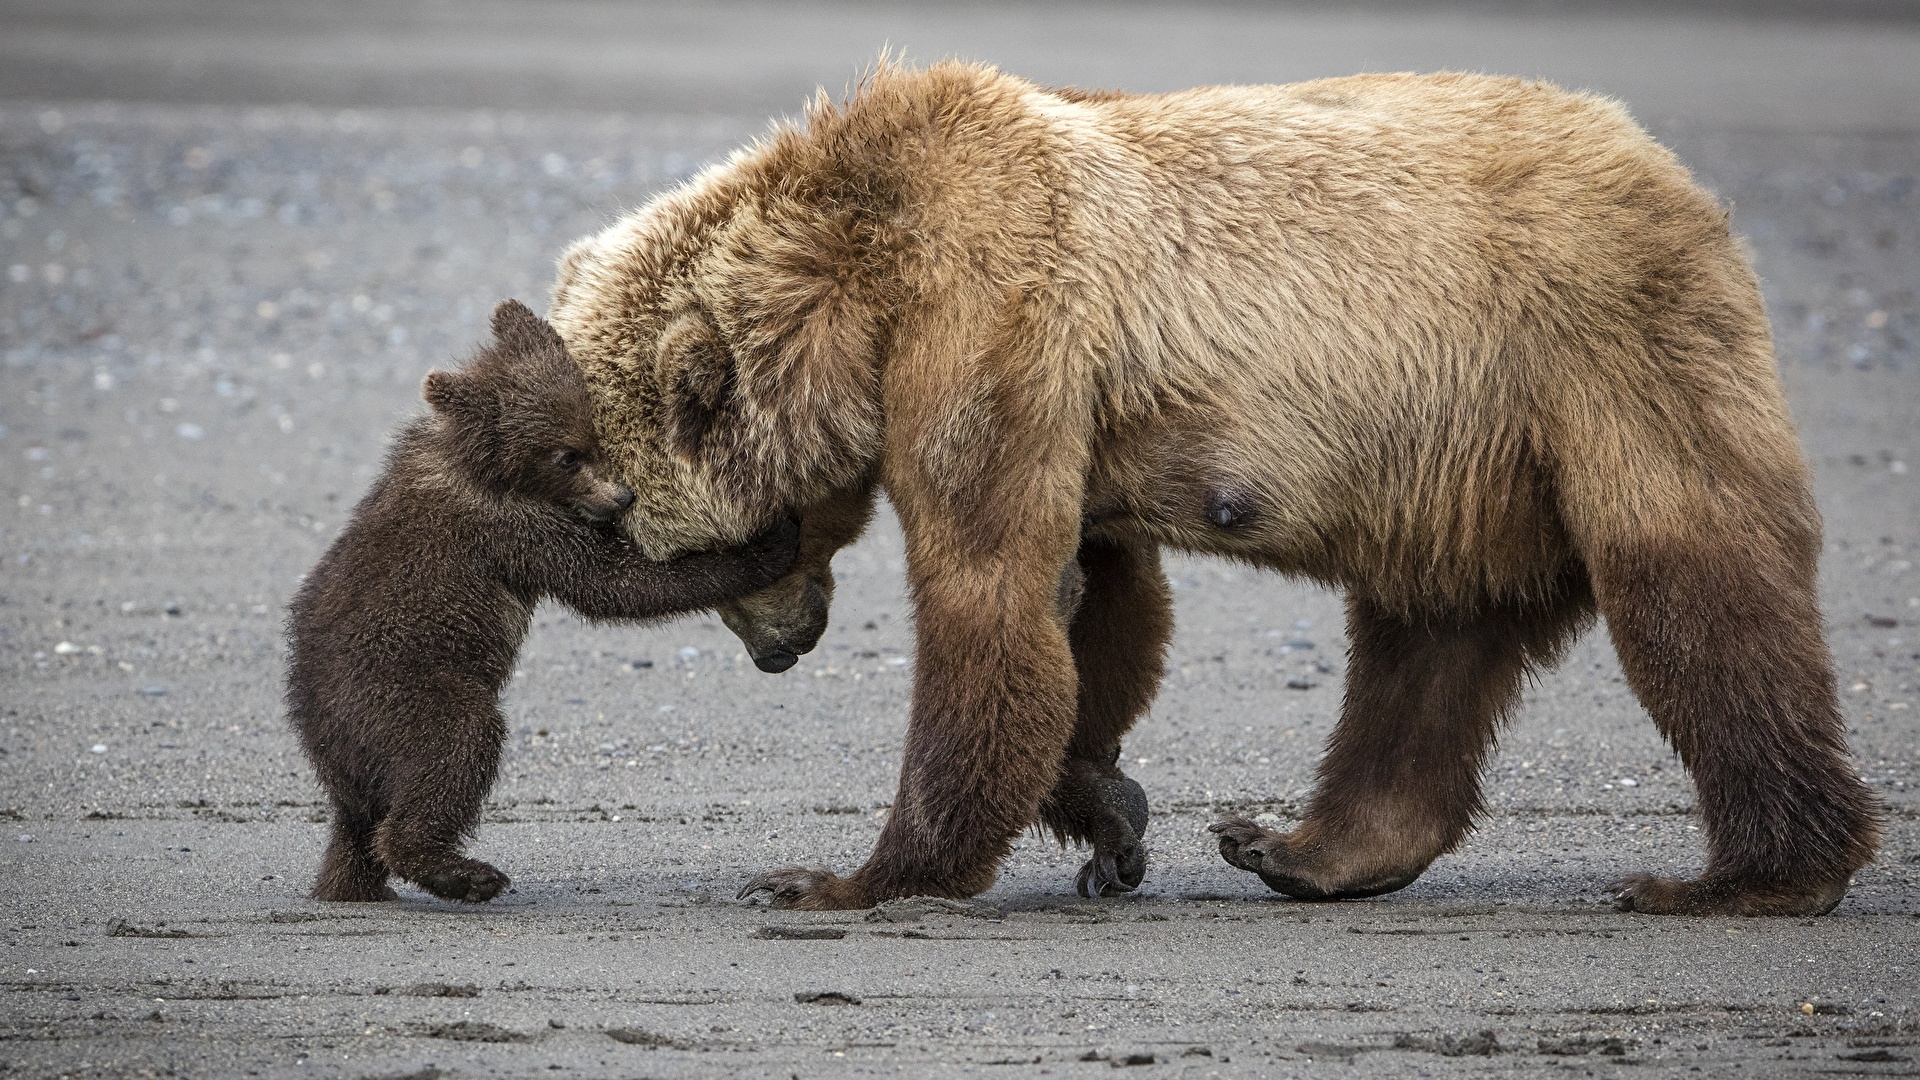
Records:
x=622, y=496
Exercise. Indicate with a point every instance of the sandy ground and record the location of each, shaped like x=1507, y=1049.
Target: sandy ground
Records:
x=233, y=241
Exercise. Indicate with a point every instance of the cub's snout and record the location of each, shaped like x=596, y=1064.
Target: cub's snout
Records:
x=604, y=500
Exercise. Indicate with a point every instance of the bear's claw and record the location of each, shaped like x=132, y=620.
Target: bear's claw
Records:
x=801, y=887
x=1107, y=874
x=1119, y=863
x=1242, y=843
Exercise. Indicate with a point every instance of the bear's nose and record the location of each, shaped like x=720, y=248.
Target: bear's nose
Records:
x=622, y=496
x=774, y=663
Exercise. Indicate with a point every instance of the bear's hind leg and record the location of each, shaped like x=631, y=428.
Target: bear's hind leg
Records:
x=1400, y=783
x=351, y=871
x=1119, y=620
x=1722, y=643
x=435, y=801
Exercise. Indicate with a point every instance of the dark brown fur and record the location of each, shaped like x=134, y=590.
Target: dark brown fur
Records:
x=405, y=632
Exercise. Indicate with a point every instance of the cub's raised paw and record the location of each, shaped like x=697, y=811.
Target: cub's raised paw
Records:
x=468, y=881
x=775, y=548
x=1651, y=895
x=805, y=888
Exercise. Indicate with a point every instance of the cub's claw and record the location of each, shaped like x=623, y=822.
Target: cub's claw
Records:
x=806, y=888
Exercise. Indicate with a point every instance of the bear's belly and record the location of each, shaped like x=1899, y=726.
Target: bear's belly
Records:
x=1428, y=523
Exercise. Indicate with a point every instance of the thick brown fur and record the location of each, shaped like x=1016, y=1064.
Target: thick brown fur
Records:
x=405, y=632
x=1475, y=350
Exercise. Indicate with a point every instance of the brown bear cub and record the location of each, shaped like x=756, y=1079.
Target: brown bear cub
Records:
x=404, y=634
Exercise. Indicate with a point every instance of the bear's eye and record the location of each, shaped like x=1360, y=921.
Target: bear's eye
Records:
x=568, y=460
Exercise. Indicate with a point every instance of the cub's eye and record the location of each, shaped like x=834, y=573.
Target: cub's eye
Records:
x=568, y=460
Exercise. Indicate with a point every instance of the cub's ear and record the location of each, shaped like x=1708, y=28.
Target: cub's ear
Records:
x=451, y=394
x=515, y=324
x=696, y=373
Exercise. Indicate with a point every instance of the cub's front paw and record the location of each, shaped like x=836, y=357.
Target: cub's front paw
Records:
x=774, y=549
x=468, y=881
x=1652, y=895
x=803, y=888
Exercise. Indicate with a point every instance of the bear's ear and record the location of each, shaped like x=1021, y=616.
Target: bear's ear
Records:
x=515, y=324
x=696, y=374
x=451, y=394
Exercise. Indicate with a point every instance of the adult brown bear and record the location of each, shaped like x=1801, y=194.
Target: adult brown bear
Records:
x=1474, y=350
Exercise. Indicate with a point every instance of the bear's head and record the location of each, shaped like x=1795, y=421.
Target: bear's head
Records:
x=517, y=421
x=730, y=334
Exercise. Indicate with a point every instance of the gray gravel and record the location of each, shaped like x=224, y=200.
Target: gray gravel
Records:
x=215, y=305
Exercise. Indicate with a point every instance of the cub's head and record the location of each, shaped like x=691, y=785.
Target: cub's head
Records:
x=516, y=419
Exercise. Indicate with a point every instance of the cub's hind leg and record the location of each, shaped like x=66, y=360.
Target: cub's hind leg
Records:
x=436, y=785
x=1400, y=783
x=350, y=870
x=1120, y=616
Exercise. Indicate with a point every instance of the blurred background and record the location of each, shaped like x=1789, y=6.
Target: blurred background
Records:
x=1784, y=64
x=234, y=236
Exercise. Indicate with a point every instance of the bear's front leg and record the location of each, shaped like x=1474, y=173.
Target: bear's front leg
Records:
x=993, y=705
x=1119, y=626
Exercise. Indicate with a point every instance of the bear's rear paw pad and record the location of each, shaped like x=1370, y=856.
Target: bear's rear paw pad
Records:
x=1652, y=895
x=804, y=888
x=469, y=881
